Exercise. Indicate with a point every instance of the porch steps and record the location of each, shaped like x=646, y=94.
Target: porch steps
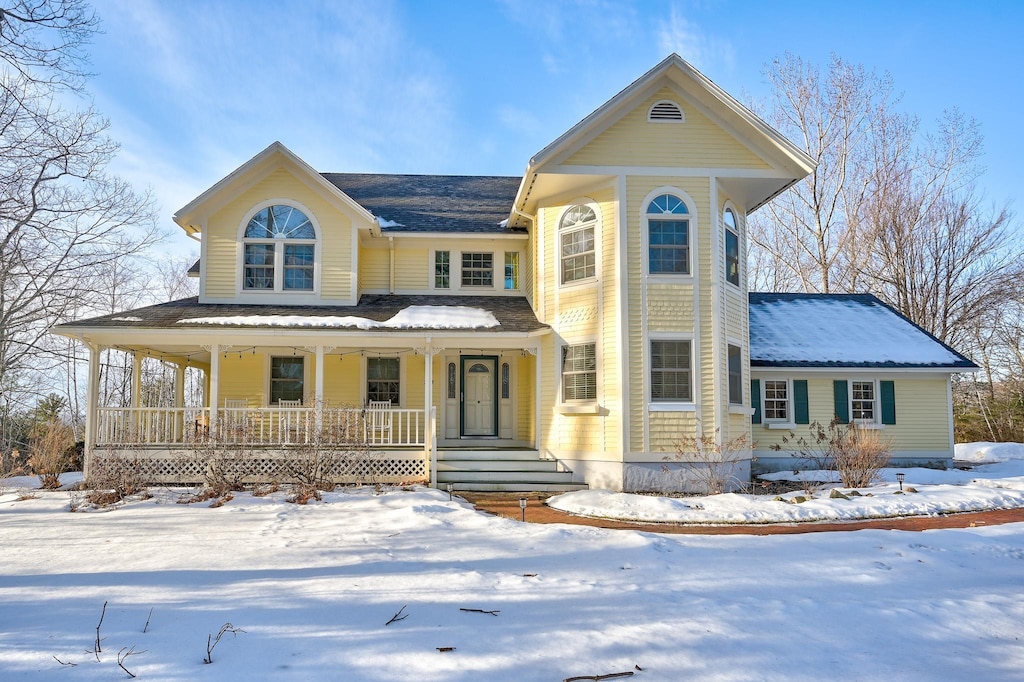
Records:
x=502, y=470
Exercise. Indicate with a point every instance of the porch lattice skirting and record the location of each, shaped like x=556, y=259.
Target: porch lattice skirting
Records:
x=171, y=469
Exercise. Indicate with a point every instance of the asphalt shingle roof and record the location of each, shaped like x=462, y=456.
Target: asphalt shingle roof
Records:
x=513, y=314
x=433, y=203
x=841, y=330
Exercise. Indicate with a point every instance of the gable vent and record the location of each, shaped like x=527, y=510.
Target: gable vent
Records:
x=665, y=111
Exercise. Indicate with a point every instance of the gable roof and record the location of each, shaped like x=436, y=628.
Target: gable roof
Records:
x=841, y=330
x=187, y=216
x=432, y=203
x=675, y=70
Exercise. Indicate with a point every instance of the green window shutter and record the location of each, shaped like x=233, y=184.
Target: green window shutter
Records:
x=755, y=400
x=841, y=392
x=888, y=402
x=800, y=409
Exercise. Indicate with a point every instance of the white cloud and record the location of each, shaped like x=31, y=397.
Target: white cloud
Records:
x=694, y=44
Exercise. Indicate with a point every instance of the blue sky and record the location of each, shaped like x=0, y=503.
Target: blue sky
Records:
x=193, y=89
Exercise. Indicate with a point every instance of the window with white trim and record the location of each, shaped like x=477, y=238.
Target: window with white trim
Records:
x=670, y=371
x=383, y=379
x=668, y=236
x=478, y=269
x=442, y=269
x=512, y=270
x=579, y=372
x=863, y=401
x=735, y=375
x=732, y=247
x=578, y=257
x=776, y=400
x=279, y=250
x=286, y=379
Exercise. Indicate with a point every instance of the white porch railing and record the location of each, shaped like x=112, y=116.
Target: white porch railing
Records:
x=165, y=426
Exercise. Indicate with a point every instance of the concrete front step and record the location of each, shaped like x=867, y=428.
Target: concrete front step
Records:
x=518, y=475
x=487, y=455
x=517, y=487
x=455, y=465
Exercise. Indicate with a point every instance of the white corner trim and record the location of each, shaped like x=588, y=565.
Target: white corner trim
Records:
x=779, y=426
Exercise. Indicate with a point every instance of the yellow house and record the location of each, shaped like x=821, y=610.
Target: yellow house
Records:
x=556, y=330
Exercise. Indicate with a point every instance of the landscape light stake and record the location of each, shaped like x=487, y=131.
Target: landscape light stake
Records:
x=899, y=477
x=522, y=506
x=451, y=487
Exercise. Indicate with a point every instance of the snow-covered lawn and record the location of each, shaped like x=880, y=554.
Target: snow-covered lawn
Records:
x=313, y=587
x=997, y=484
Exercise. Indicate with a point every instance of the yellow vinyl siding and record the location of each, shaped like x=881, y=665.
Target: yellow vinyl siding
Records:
x=669, y=428
x=411, y=269
x=243, y=378
x=374, y=264
x=342, y=381
x=698, y=142
x=922, y=413
x=670, y=307
x=224, y=230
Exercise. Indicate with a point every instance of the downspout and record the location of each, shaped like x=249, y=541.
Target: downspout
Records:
x=391, y=265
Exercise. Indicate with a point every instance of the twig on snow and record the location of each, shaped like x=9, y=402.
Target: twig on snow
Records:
x=147, y=621
x=443, y=649
x=64, y=662
x=395, y=618
x=493, y=613
x=123, y=655
x=212, y=643
x=96, y=649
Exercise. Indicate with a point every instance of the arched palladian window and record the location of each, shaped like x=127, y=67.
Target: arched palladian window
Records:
x=279, y=250
x=576, y=244
x=732, y=247
x=668, y=236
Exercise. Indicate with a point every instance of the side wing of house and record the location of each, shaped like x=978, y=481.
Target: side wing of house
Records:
x=640, y=215
x=853, y=360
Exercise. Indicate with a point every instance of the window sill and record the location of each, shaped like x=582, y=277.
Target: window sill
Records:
x=583, y=408
x=578, y=284
x=870, y=426
x=672, y=407
x=741, y=409
x=669, y=278
x=787, y=426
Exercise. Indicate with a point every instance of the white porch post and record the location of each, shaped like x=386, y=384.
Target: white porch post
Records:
x=136, y=380
x=92, y=402
x=214, y=388
x=179, y=400
x=318, y=390
x=428, y=401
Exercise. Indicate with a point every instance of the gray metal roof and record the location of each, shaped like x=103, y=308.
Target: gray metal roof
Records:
x=841, y=330
x=433, y=203
x=512, y=313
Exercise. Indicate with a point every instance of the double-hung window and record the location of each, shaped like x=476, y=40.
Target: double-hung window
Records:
x=279, y=251
x=512, y=270
x=776, y=400
x=670, y=371
x=579, y=372
x=286, y=379
x=442, y=269
x=863, y=401
x=735, y=375
x=577, y=244
x=668, y=236
x=383, y=380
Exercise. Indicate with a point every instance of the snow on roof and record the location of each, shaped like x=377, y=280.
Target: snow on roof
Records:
x=384, y=222
x=413, y=317
x=845, y=330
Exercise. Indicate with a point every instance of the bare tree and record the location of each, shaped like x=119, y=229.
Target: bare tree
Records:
x=64, y=220
x=171, y=281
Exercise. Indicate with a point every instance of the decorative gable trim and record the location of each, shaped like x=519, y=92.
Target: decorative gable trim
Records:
x=665, y=111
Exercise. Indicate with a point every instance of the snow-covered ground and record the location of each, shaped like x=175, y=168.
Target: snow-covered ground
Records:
x=313, y=586
x=998, y=485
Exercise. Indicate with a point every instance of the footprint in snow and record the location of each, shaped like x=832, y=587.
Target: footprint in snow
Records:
x=883, y=567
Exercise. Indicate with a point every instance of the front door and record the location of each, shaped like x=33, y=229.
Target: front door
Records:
x=479, y=396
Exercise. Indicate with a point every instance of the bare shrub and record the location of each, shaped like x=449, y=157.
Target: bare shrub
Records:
x=712, y=462
x=51, y=452
x=857, y=455
x=114, y=477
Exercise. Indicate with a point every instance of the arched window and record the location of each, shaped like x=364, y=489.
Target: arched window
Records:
x=732, y=247
x=668, y=236
x=576, y=244
x=279, y=250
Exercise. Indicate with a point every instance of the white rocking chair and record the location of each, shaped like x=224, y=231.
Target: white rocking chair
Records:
x=378, y=421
